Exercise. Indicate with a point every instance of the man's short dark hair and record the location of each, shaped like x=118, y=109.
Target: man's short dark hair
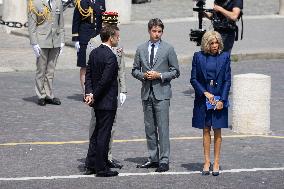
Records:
x=155, y=22
x=107, y=32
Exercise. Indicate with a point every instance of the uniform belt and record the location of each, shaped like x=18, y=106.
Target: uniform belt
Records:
x=89, y=22
x=211, y=82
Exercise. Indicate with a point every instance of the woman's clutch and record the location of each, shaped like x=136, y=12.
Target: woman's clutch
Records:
x=212, y=106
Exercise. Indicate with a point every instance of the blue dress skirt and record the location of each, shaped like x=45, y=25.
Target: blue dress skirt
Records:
x=211, y=68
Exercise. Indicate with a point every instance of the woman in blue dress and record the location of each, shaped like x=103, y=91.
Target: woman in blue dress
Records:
x=211, y=78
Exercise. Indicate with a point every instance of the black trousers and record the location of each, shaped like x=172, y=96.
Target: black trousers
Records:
x=228, y=38
x=97, y=156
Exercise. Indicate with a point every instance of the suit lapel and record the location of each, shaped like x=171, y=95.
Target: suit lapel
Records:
x=203, y=61
x=158, y=54
x=219, y=64
x=146, y=54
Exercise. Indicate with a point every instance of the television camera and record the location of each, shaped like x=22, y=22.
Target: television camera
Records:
x=196, y=34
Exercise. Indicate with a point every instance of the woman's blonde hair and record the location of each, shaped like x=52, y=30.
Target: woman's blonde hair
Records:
x=207, y=39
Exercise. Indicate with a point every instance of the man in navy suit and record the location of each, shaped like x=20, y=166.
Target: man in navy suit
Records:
x=101, y=93
x=87, y=23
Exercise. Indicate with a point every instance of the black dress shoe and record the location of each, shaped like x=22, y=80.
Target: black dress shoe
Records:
x=41, y=102
x=112, y=164
x=54, y=101
x=148, y=164
x=90, y=171
x=163, y=167
x=107, y=173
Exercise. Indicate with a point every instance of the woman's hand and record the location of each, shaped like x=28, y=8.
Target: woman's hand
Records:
x=219, y=105
x=210, y=97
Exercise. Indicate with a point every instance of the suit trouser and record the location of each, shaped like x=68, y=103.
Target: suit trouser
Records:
x=228, y=40
x=92, y=128
x=45, y=68
x=156, y=119
x=98, y=146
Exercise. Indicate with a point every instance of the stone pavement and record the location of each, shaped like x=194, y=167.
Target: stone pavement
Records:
x=23, y=121
x=262, y=31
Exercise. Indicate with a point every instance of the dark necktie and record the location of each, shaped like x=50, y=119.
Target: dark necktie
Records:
x=152, y=55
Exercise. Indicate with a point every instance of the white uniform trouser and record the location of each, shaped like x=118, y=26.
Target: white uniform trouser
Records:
x=45, y=68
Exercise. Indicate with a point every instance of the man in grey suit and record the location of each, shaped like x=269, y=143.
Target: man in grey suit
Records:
x=46, y=29
x=155, y=65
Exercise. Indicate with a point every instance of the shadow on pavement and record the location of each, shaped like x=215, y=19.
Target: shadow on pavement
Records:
x=82, y=160
x=76, y=97
x=82, y=167
x=193, y=166
x=137, y=159
x=31, y=99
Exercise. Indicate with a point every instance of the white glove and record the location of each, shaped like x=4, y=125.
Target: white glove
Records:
x=37, y=50
x=122, y=98
x=77, y=46
x=61, y=48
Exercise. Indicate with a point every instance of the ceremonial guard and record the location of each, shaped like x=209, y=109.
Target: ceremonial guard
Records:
x=46, y=30
x=110, y=18
x=87, y=23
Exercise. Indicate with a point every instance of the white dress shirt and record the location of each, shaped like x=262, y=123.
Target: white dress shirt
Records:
x=155, y=48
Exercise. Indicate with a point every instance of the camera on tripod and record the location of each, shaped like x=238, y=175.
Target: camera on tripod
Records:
x=196, y=34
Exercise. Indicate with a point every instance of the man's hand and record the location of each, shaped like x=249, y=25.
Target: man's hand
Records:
x=37, y=50
x=89, y=99
x=210, y=97
x=152, y=75
x=61, y=48
x=77, y=46
x=122, y=98
x=219, y=105
x=207, y=15
x=217, y=8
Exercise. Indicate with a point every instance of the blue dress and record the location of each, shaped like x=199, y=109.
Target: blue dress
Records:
x=204, y=68
x=211, y=65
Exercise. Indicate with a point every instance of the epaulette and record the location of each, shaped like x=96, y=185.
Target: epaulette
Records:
x=45, y=14
x=85, y=12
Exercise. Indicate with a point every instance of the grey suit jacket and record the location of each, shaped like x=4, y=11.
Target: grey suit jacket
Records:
x=50, y=33
x=165, y=62
x=118, y=51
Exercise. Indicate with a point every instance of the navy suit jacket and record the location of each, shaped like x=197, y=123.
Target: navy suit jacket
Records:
x=82, y=28
x=200, y=84
x=101, y=78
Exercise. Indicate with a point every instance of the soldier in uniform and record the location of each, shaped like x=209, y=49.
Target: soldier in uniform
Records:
x=87, y=23
x=46, y=30
x=110, y=18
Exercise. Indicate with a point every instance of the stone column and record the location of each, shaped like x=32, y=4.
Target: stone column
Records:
x=251, y=103
x=281, y=7
x=14, y=10
x=1, y=8
x=123, y=7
